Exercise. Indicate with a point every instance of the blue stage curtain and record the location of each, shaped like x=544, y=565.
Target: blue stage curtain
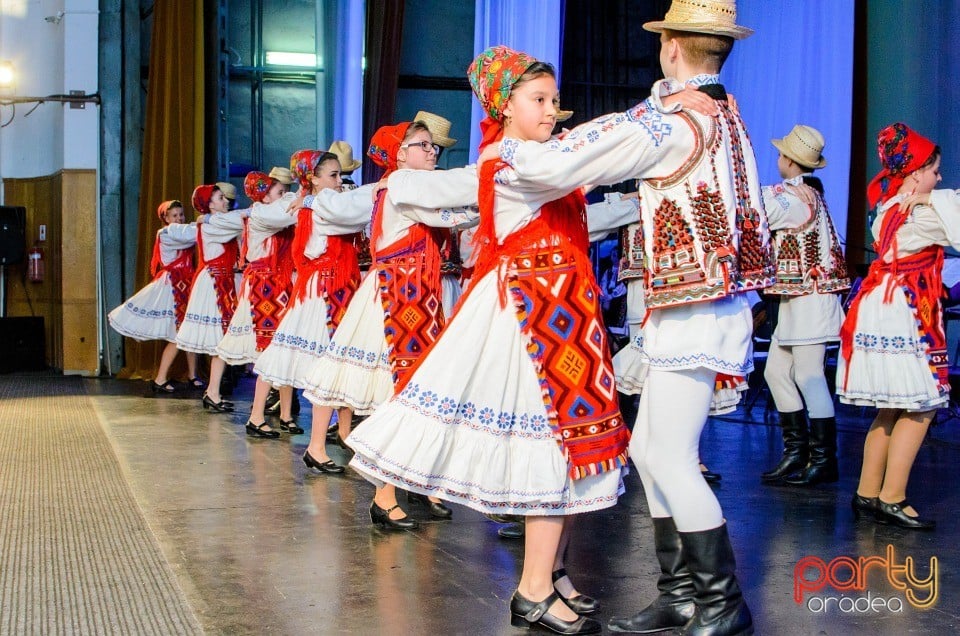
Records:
x=347, y=98
x=532, y=26
x=914, y=60
x=797, y=68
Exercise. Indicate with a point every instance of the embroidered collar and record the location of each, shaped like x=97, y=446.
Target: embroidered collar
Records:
x=702, y=80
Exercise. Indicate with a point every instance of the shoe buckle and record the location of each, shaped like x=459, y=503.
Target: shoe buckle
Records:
x=534, y=615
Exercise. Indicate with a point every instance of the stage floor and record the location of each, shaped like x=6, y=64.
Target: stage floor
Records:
x=236, y=536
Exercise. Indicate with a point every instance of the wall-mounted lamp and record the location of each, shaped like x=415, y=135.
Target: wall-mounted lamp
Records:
x=283, y=58
x=7, y=76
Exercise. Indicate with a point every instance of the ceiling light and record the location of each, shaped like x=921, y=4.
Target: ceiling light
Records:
x=283, y=58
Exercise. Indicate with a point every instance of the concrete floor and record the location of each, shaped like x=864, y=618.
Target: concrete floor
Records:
x=262, y=546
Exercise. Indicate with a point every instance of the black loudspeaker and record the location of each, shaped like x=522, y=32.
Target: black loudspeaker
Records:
x=13, y=239
x=22, y=344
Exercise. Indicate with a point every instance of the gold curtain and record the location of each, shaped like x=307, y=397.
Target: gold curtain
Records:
x=172, y=162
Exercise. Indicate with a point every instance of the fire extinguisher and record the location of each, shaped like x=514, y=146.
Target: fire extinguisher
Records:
x=35, y=268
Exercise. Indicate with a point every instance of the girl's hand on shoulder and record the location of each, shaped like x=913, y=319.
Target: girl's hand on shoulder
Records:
x=803, y=192
x=377, y=187
x=294, y=206
x=490, y=153
x=692, y=99
x=913, y=200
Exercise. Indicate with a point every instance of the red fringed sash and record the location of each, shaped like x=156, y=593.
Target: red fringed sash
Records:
x=180, y=272
x=221, y=271
x=919, y=275
x=410, y=292
x=546, y=273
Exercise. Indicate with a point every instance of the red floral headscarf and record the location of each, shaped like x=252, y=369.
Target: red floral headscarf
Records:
x=302, y=165
x=492, y=75
x=201, y=198
x=256, y=185
x=165, y=207
x=901, y=152
x=385, y=145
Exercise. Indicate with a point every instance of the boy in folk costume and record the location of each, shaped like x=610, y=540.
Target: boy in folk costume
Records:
x=213, y=297
x=327, y=276
x=810, y=271
x=705, y=242
x=892, y=343
x=264, y=292
x=348, y=164
x=157, y=311
x=396, y=314
x=513, y=410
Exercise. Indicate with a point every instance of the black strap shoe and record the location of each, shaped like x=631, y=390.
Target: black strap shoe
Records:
x=528, y=614
x=290, y=427
x=327, y=467
x=581, y=603
x=893, y=514
x=257, y=430
x=380, y=517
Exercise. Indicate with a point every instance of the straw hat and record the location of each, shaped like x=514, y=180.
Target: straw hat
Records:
x=713, y=17
x=229, y=190
x=283, y=175
x=804, y=145
x=438, y=126
x=344, y=152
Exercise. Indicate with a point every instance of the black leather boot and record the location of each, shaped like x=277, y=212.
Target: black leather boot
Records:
x=674, y=606
x=795, y=447
x=822, y=468
x=720, y=608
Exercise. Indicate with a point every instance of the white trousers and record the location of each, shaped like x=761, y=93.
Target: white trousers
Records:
x=666, y=447
x=797, y=370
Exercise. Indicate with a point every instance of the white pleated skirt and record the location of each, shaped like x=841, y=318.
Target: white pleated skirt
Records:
x=298, y=344
x=889, y=368
x=470, y=427
x=354, y=369
x=202, y=327
x=150, y=314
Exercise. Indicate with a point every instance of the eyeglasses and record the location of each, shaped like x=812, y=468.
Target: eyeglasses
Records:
x=425, y=146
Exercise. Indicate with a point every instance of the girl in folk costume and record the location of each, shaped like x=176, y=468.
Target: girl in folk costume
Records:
x=514, y=409
x=396, y=315
x=156, y=311
x=327, y=276
x=213, y=297
x=264, y=291
x=892, y=343
x=810, y=271
x=705, y=244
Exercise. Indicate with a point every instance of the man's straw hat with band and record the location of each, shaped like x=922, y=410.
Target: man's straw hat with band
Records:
x=282, y=175
x=438, y=126
x=344, y=152
x=803, y=145
x=712, y=17
x=229, y=190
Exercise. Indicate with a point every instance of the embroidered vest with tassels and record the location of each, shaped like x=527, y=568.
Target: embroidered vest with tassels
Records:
x=809, y=258
x=704, y=232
